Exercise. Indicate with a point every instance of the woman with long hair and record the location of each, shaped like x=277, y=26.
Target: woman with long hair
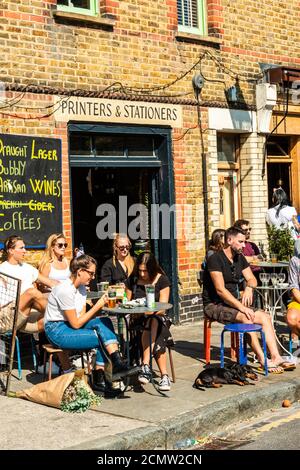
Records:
x=54, y=264
x=216, y=243
x=13, y=255
x=69, y=326
x=282, y=215
x=147, y=271
x=118, y=268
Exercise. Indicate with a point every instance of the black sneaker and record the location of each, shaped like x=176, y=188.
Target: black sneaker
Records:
x=145, y=376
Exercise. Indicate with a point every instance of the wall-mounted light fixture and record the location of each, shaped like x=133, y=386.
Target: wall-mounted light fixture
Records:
x=231, y=94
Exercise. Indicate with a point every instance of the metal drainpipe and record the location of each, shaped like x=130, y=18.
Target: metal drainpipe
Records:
x=204, y=175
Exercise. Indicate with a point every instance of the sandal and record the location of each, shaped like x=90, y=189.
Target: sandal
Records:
x=287, y=365
x=271, y=369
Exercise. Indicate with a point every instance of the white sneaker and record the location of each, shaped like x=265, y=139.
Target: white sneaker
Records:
x=164, y=384
x=145, y=375
x=55, y=369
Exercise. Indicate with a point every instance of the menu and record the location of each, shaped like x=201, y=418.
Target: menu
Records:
x=30, y=188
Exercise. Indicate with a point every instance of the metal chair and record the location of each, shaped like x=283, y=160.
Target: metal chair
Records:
x=49, y=350
x=240, y=329
x=291, y=342
x=17, y=342
x=207, y=341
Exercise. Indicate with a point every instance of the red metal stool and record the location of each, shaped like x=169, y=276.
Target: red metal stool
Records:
x=234, y=352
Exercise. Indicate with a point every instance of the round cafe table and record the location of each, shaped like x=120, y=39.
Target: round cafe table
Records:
x=267, y=265
x=121, y=311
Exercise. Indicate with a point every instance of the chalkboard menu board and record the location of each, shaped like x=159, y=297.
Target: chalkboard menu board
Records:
x=30, y=188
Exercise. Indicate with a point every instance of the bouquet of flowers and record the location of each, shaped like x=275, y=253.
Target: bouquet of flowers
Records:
x=78, y=397
x=69, y=392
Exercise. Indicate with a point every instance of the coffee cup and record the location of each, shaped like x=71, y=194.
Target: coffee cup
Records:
x=102, y=286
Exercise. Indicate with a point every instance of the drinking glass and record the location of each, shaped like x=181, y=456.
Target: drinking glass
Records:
x=263, y=278
x=273, y=257
x=268, y=277
x=274, y=279
x=111, y=298
x=281, y=278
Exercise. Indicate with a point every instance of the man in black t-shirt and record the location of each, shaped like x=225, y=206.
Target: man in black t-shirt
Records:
x=222, y=301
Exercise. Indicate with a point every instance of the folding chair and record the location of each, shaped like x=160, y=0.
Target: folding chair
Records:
x=9, y=294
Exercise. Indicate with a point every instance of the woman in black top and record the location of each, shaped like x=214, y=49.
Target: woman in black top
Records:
x=147, y=271
x=117, y=269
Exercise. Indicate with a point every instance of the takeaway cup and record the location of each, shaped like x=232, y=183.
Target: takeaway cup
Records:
x=102, y=286
x=150, y=295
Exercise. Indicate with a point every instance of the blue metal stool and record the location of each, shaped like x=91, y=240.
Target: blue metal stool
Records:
x=240, y=329
x=291, y=343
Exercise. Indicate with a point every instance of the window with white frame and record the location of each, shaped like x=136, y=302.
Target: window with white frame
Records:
x=85, y=7
x=192, y=16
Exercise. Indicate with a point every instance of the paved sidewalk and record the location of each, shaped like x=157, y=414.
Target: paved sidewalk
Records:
x=146, y=420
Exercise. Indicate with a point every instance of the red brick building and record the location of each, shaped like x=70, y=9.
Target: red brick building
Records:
x=97, y=99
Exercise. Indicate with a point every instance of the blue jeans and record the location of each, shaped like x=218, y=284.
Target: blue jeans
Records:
x=94, y=334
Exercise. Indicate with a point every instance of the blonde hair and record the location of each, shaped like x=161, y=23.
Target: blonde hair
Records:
x=48, y=256
x=128, y=261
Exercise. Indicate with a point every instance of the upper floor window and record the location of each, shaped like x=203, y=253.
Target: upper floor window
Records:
x=192, y=16
x=85, y=7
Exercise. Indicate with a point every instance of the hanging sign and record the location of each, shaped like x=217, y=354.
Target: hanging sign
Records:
x=117, y=111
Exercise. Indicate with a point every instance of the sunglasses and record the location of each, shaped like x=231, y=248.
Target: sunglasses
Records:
x=61, y=245
x=91, y=273
x=248, y=229
x=125, y=247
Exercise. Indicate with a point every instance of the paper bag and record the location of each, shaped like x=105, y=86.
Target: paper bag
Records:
x=50, y=393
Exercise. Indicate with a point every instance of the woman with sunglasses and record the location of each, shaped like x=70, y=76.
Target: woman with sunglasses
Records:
x=14, y=252
x=54, y=264
x=69, y=326
x=118, y=268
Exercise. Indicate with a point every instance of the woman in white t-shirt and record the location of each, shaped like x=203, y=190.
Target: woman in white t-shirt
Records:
x=282, y=215
x=69, y=326
x=31, y=298
x=54, y=264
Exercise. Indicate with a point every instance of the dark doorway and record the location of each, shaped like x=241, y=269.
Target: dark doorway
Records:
x=278, y=150
x=95, y=186
x=278, y=175
x=109, y=161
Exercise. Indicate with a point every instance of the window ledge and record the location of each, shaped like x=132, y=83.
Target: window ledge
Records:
x=195, y=38
x=94, y=21
x=228, y=166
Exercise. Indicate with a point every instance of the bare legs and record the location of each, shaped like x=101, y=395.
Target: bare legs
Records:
x=161, y=358
x=293, y=320
x=263, y=319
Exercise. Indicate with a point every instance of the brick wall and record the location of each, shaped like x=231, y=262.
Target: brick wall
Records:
x=140, y=52
x=254, y=193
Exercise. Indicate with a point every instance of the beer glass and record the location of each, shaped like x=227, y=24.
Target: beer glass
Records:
x=111, y=298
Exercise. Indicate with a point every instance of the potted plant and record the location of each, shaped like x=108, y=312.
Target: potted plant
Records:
x=280, y=242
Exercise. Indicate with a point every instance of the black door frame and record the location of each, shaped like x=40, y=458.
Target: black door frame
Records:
x=167, y=248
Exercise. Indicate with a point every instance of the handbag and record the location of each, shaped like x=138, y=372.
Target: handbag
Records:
x=7, y=313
